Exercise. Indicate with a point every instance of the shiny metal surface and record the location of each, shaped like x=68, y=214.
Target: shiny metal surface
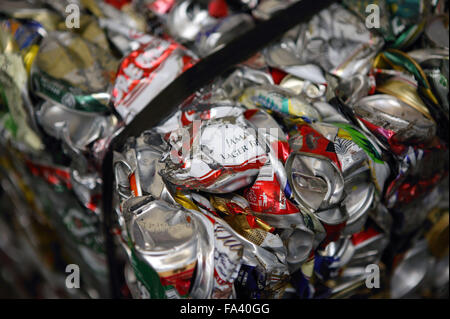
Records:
x=214, y=36
x=187, y=18
x=411, y=272
x=316, y=181
x=168, y=237
x=75, y=127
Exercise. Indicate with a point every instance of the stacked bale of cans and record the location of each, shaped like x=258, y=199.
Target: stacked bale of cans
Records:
x=323, y=157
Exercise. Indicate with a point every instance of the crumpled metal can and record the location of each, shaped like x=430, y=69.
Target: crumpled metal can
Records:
x=279, y=100
x=214, y=36
x=323, y=41
x=318, y=186
x=186, y=20
x=363, y=168
x=124, y=39
x=436, y=67
x=123, y=13
x=315, y=175
x=393, y=121
x=77, y=129
x=137, y=168
x=411, y=271
x=240, y=79
x=221, y=155
x=263, y=272
x=145, y=72
x=169, y=243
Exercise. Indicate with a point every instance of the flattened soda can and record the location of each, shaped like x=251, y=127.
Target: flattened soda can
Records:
x=363, y=168
x=186, y=20
x=368, y=247
x=335, y=39
x=411, y=271
x=279, y=100
x=225, y=156
x=74, y=127
x=81, y=77
x=318, y=186
x=167, y=244
x=214, y=37
x=394, y=122
x=137, y=168
x=145, y=72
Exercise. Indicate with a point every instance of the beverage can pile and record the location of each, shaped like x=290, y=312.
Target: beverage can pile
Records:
x=318, y=168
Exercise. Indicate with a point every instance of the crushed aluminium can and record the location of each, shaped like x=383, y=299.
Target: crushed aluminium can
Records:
x=363, y=168
x=317, y=42
x=74, y=127
x=145, y=72
x=221, y=155
x=213, y=37
x=393, y=121
x=187, y=19
x=169, y=243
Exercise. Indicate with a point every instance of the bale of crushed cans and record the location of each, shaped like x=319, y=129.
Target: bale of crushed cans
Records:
x=318, y=168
